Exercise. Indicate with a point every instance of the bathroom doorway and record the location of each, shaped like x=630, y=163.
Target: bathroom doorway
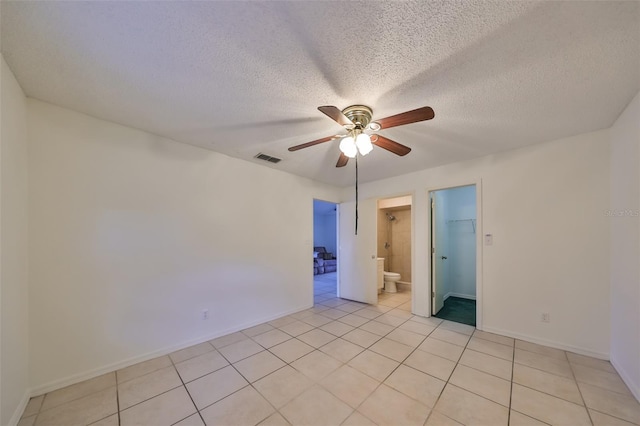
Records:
x=454, y=254
x=394, y=238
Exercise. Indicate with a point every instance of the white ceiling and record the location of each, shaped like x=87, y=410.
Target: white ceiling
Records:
x=246, y=77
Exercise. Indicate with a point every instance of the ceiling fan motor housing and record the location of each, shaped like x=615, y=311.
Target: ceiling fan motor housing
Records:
x=360, y=115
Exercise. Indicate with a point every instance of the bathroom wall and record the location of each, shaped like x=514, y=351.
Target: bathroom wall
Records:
x=383, y=236
x=397, y=258
x=401, y=244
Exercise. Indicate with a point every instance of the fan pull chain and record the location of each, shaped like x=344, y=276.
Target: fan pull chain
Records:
x=356, y=195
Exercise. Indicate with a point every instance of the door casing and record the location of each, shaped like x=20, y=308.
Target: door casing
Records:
x=479, y=244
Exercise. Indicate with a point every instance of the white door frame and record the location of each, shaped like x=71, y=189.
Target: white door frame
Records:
x=433, y=243
x=411, y=194
x=479, y=244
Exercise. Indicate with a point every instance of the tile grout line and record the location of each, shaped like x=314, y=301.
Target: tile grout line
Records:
x=44, y=396
x=118, y=397
x=416, y=348
x=513, y=366
x=184, y=385
x=573, y=374
x=288, y=364
x=333, y=300
x=454, y=368
x=381, y=382
x=431, y=409
x=546, y=393
x=249, y=383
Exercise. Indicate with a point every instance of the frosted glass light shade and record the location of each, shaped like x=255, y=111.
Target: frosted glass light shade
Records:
x=363, y=142
x=348, y=147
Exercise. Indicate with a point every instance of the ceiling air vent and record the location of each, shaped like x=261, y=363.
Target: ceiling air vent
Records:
x=268, y=158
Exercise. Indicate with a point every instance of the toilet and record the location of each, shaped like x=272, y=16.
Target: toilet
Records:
x=390, y=279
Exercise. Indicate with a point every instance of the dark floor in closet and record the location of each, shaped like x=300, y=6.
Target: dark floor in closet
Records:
x=458, y=310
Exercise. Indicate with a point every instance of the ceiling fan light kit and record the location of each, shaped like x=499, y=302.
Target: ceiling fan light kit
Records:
x=348, y=147
x=363, y=142
x=351, y=146
x=357, y=141
x=356, y=119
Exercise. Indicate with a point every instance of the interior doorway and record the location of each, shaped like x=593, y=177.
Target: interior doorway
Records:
x=454, y=243
x=394, y=251
x=325, y=250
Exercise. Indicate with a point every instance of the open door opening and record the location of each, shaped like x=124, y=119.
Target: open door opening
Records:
x=395, y=248
x=454, y=254
x=325, y=250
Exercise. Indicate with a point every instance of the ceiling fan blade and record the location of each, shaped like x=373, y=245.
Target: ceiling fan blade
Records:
x=312, y=143
x=413, y=116
x=336, y=115
x=342, y=160
x=390, y=145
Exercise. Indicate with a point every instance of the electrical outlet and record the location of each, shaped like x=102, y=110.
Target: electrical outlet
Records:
x=205, y=314
x=545, y=317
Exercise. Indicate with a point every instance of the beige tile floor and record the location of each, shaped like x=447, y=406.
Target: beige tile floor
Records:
x=346, y=363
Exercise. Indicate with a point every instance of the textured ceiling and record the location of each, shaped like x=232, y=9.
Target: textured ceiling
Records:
x=246, y=77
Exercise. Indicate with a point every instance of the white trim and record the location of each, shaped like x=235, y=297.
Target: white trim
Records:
x=412, y=205
x=479, y=242
x=626, y=378
x=550, y=343
x=461, y=296
x=479, y=248
x=17, y=414
x=404, y=286
x=76, y=378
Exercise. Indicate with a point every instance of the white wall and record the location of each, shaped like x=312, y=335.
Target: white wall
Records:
x=544, y=206
x=133, y=235
x=14, y=353
x=625, y=245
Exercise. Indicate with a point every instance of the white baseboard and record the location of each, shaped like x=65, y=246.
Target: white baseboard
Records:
x=462, y=296
x=403, y=285
x=17, y=414
x=626, y=378
x=550, y=343
x=86, y=375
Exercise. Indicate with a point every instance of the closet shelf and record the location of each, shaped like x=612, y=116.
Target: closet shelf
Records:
x=473, y=222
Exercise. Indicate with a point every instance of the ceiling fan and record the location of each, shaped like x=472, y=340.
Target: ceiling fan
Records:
x=356, y=119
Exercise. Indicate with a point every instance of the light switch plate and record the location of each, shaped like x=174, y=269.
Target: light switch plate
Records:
x=488, y=239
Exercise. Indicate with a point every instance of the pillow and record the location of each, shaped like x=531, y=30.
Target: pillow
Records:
x=315, y=254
